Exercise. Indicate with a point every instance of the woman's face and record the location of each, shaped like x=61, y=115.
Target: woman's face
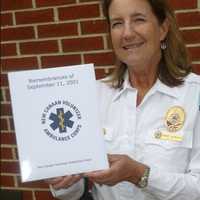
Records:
x=136, y=32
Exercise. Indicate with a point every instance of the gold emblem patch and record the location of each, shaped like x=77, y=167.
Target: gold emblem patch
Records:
x=175, y=118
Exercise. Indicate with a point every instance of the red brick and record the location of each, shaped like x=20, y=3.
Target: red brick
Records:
x=4, y=124
x=6, y=19
x=7, y=181
x=8, y=49
x=6, y=153
x=7, y=94
x=4, y=80
x=99, y=59
x=20, y=33
x=39, y=47
x=9, y=167
x=100, y=73
x=188, y=19
x=194, y=53
x=82, y=44
x=56, y=61
x=8, y=138
x=95, y=26
x=183, y=4
x=6, y=109
x=77, y=12
x=109, y=42
x=16, y=4
x=87, y=0
x=196, y=68
x=41, y=195
x=12, y=64
x=27, y=195
x=32, y=184
x=57, y=30
x=191, y=36
x=41, y=3
x=2, y=98
x=30, y=17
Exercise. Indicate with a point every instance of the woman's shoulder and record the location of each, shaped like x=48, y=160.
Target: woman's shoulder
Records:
x=193, y=78
x=105, y=94
x=191, y=86
x=105, y=88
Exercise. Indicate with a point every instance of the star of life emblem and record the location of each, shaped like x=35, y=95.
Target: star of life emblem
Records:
x=61, y=120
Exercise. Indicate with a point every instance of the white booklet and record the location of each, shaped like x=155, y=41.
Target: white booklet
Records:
x=57, y=122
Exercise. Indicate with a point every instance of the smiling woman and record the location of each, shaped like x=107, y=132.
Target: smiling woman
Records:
x=136, y=34
x=153, y=22
x=149, y=110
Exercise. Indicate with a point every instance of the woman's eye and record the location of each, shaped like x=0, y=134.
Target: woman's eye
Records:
x=116, y=24
x=139, y=19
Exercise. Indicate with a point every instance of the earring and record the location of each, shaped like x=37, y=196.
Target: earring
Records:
x=163, y=45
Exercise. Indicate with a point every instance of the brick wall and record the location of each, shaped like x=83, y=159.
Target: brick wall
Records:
x=50, y=33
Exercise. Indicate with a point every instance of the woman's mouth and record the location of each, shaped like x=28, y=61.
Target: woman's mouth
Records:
x=132, y=46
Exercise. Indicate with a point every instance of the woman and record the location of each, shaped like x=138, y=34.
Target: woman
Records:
x=149, y=111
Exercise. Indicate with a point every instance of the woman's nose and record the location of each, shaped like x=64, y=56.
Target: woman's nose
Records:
x=128, y=31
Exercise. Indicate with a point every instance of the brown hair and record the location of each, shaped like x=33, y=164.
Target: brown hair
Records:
x=174, y=65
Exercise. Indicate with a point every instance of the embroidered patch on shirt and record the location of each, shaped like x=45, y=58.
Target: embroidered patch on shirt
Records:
x=175, y=118
x=168, y=136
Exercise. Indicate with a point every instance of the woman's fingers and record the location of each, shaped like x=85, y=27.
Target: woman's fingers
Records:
x=66, y=181
x=101, y=177
x=54, y=180
x=122, y=168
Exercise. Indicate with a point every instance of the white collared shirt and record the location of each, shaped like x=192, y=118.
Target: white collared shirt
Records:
x=174, y=157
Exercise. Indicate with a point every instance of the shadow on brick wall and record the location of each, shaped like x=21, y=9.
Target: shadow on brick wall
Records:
x=10, y=195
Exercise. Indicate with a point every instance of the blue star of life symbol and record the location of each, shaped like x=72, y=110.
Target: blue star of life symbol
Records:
x=61, y=120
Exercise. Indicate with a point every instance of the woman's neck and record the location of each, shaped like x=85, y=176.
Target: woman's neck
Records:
x=142, y=80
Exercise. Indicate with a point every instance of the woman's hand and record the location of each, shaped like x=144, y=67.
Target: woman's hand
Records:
x=122, y=168
x=63, y=181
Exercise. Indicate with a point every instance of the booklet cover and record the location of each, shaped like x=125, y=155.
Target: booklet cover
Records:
x=57, y=122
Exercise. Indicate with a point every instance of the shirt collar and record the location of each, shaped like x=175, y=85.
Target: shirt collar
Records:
x=157, y=87
x=170, y=91
x=126, y=85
